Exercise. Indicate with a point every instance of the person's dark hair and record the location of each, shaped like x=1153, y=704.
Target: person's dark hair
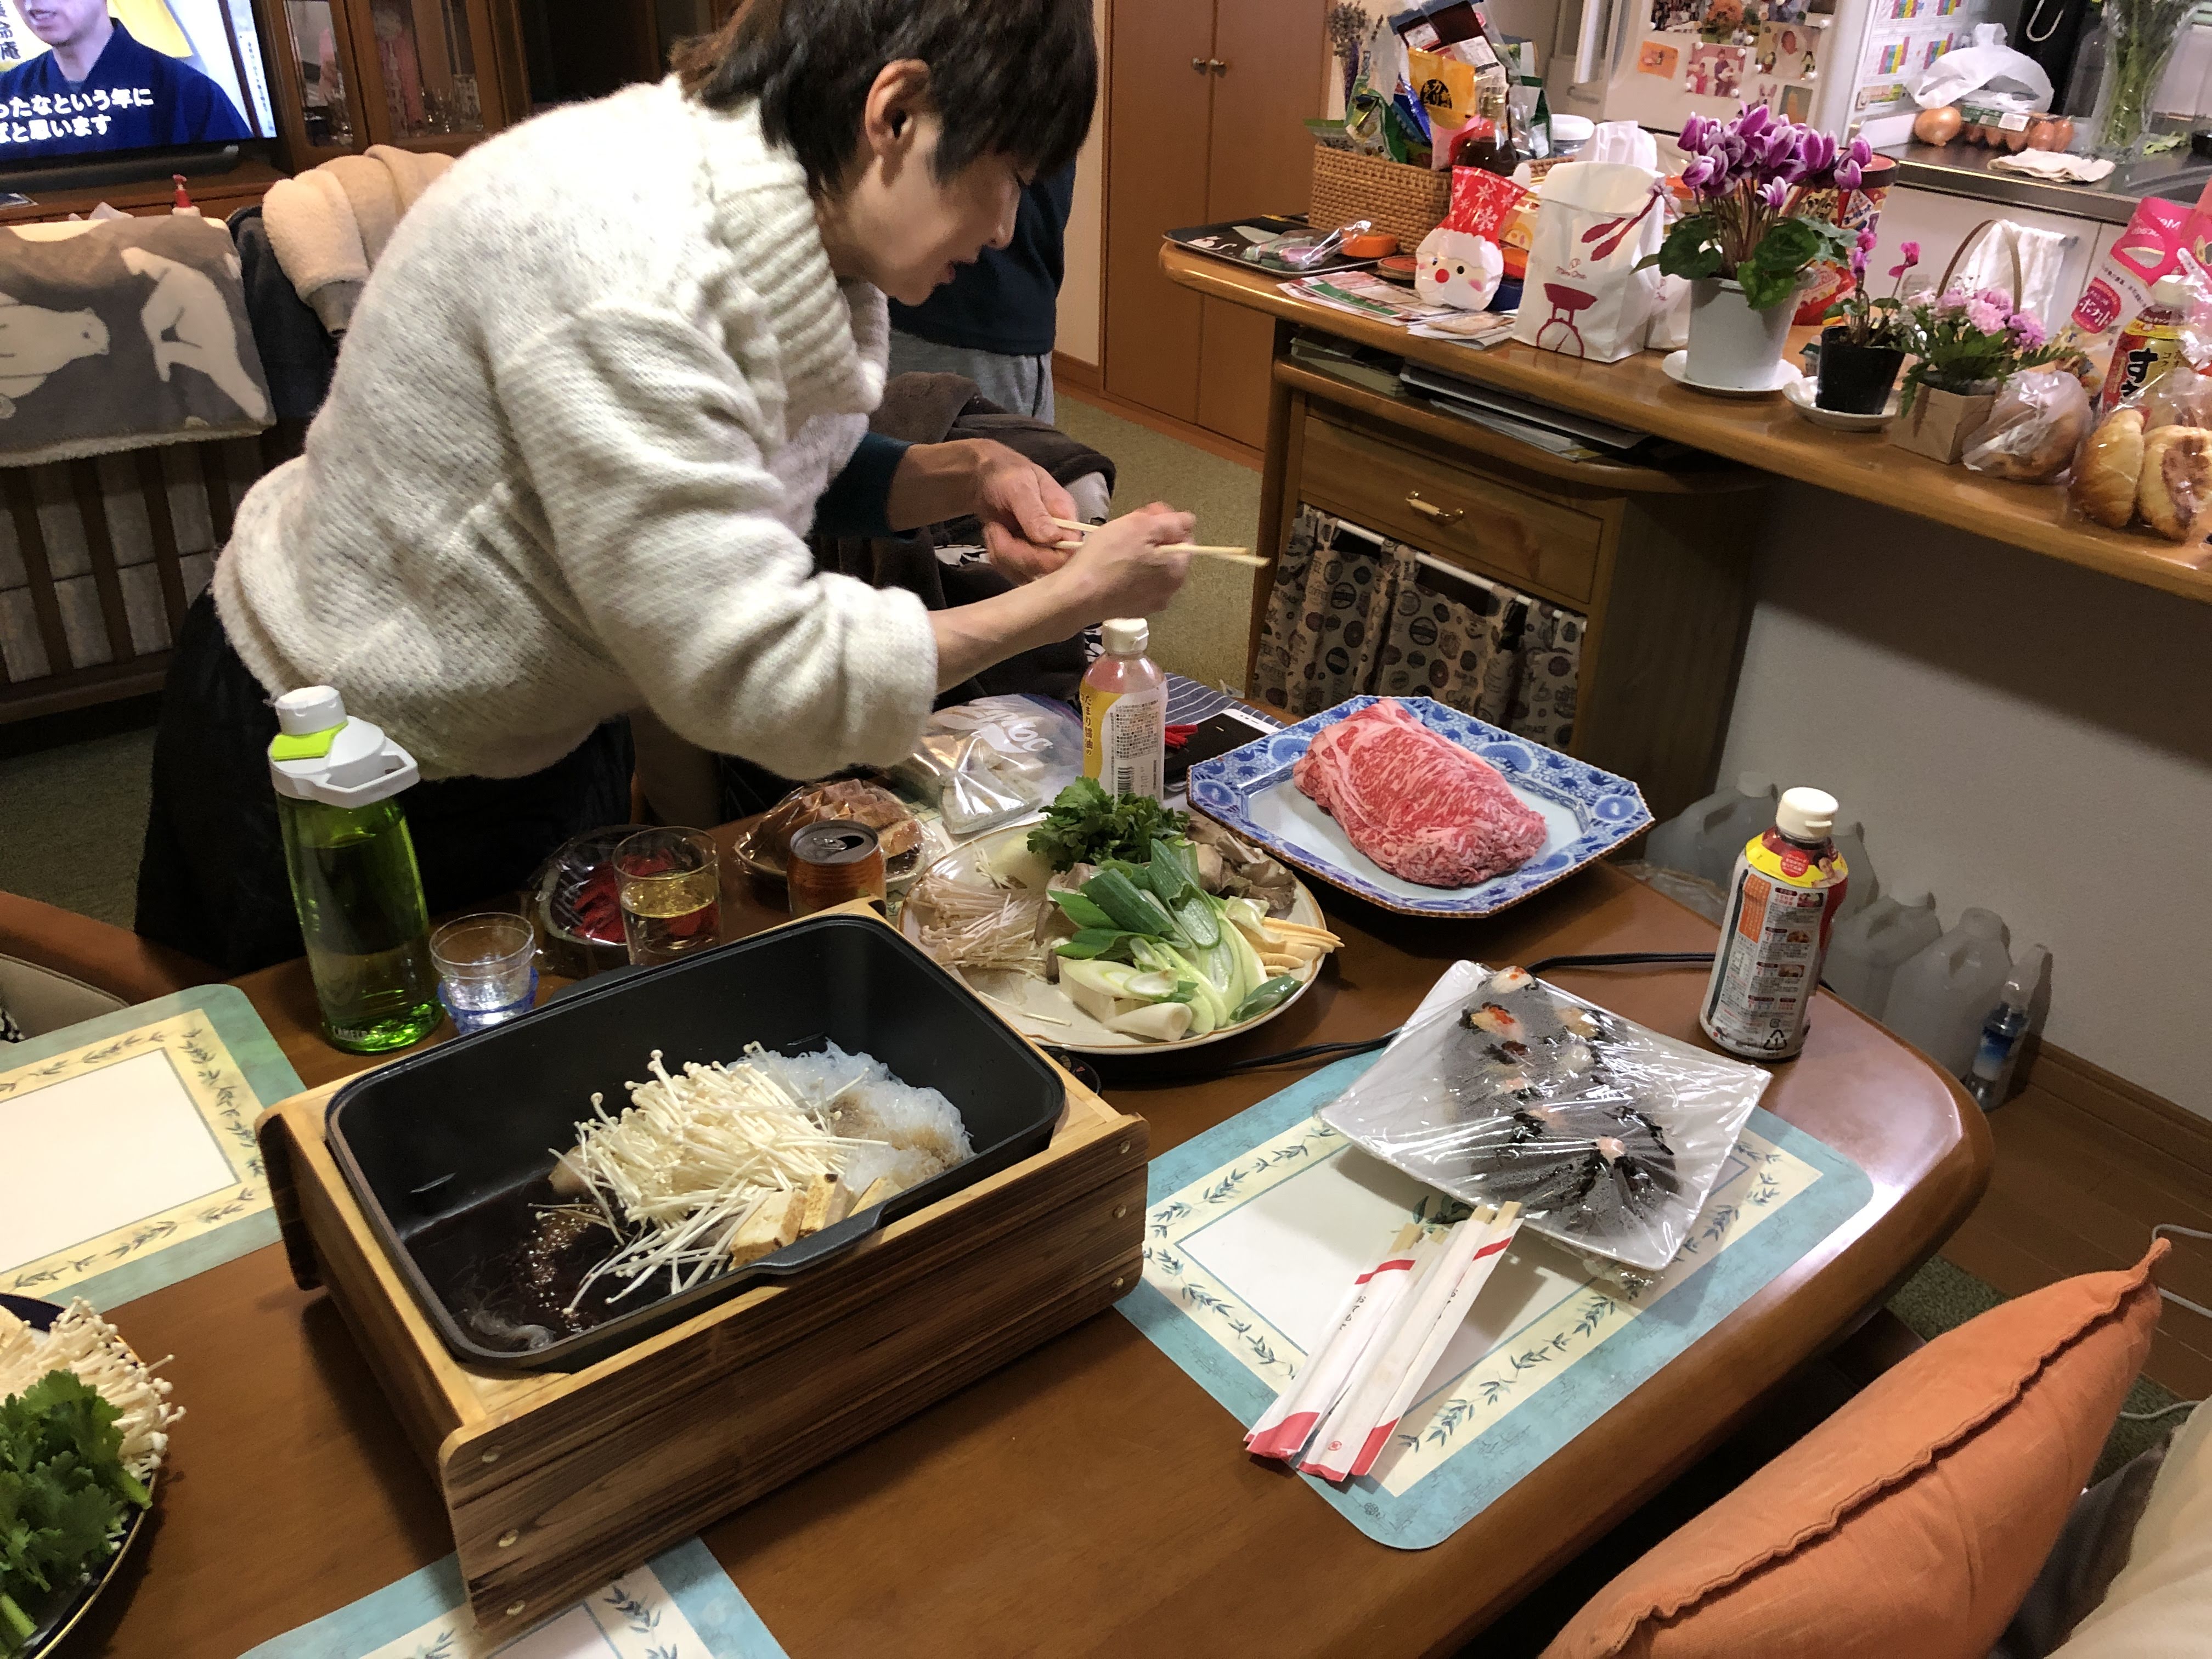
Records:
x=1012, y=77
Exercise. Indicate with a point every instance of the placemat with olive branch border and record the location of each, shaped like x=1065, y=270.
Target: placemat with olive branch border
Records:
x=1255, y=1228
x=228, y=1068
x=680, y=1605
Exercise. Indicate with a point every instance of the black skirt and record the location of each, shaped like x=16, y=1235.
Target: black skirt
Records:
x=211, y=880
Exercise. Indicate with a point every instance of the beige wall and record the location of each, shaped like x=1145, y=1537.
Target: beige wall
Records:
x=1082, y=299
x=2016, y=733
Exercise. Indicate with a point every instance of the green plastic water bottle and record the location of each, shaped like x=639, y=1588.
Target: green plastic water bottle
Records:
x=353, y=878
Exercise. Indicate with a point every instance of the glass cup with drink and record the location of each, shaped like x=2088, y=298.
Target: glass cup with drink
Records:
x=487, y=969
x=671, y=892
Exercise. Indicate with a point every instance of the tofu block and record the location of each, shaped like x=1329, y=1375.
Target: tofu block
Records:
x=774, y=1223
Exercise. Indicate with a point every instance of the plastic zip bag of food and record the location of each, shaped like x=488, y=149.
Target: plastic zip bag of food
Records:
x=995, y=760
x=1502, y=1087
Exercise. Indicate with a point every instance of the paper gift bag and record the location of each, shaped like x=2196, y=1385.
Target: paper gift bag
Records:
x=1584, y=297
x=1939, y=423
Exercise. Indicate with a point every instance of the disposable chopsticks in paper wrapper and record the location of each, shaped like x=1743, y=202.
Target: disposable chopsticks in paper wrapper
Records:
x=1387, y=1336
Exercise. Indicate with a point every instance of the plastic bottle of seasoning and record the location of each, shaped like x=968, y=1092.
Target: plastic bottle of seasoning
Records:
x=352, y=867
x=1124, y=713
x=1782, y=898
x=2149, y=347
x=1990, y=1078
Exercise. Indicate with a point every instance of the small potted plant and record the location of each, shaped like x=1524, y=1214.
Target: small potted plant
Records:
x=1742, y=247
x=1862, y=347
x=1964, y=344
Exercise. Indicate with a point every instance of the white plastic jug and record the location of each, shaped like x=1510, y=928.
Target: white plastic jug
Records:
x=1703, y=839
x=1865, y=886
x=1939, y=1000
x=1870, y=947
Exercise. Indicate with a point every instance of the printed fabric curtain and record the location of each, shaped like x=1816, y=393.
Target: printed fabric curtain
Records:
x=1352, y=611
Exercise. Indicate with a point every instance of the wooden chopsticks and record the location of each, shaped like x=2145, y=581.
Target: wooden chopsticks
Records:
x=1230, y=554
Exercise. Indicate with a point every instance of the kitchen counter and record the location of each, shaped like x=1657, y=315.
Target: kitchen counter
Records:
x=1963, y=169
x=1765, y=433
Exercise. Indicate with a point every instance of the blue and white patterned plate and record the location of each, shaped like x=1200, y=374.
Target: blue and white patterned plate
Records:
x=1587, y=811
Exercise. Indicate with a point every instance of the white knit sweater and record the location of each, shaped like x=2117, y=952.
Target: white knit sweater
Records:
x=592, y=391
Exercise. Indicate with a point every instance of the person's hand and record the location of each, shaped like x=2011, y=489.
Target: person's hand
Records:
x=1125, y=568
x=1018, y=501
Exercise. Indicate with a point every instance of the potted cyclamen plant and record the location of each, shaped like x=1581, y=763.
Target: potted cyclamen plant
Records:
x=1964, y=345
x=1742, y=247
x=1862, y=347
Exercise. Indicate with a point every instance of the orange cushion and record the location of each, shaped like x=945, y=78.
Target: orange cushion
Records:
x=1913, y=1520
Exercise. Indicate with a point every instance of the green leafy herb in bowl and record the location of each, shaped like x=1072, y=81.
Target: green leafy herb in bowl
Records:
x=84, y=1425
x=1086, y=825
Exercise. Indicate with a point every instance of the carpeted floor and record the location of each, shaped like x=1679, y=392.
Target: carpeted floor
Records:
x=1204, y=633
x=73, y=812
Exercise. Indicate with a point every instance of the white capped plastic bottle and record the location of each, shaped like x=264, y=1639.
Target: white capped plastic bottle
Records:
x=1989, y=1080
x=1871, y=944
x=1866, y=886
x=1782, y=896
x=1703, y=838
x=1940, y=998
x=1124, y=713
x=353, y=878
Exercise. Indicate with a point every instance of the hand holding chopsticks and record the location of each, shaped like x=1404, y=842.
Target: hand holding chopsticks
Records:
x=1232, y=555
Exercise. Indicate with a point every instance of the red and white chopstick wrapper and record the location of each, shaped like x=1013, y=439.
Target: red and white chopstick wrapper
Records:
x=1286, y=1427
x=1382, y=1348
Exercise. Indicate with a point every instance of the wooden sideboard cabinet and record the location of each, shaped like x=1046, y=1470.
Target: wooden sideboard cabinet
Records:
x=1656, y=558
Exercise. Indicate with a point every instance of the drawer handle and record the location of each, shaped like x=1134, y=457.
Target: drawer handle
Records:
x=1431, y=510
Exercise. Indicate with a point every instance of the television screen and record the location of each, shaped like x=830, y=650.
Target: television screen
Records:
x=99, y=77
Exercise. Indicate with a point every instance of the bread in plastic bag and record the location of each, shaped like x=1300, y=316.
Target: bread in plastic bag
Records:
x=1610, y=1136
x=2038, y=423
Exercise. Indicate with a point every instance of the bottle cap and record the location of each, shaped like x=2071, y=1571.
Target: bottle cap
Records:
x=1125, y=636
x=1805, y=814
x=2173, y=292
x=320, y=754
x=311, y=708
x=1754, y=783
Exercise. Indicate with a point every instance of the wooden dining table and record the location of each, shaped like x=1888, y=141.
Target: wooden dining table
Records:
x=1089, y=1498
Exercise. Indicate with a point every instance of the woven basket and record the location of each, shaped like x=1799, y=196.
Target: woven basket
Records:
x=1409, y=203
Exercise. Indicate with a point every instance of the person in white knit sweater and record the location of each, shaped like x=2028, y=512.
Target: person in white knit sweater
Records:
x=610, y=371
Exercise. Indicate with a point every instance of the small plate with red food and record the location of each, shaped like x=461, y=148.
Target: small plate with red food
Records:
x=1418, y=808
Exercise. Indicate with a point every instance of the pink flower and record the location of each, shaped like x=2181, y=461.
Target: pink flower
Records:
x=1860, y=154
x=1775, y=192
x=1699, y=174
x=1858, y=262
x=1848, y=175
x=2026, y=333
x=1867, y=240
x=1697, y=135
x=1754, y=120
x=1910, y=251
x=1989, y=319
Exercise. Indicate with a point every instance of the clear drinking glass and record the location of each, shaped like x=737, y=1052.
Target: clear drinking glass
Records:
x=671, y=892
x=487, y=969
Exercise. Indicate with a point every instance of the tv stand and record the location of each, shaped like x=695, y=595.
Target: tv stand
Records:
x=220, y=185
x=93, y=172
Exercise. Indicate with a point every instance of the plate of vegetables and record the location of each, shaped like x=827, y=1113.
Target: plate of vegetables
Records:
x=83, y=1427
x=1116, y=924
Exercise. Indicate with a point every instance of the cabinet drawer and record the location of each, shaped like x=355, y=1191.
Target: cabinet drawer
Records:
x=1500, y=530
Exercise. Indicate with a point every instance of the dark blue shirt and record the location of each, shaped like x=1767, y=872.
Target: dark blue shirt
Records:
x=1008, y=300
x=134, y=98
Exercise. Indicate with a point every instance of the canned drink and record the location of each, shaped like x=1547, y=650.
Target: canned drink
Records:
x=832, y=862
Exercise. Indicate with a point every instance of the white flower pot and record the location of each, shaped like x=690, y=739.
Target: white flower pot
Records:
x=1731, y=344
